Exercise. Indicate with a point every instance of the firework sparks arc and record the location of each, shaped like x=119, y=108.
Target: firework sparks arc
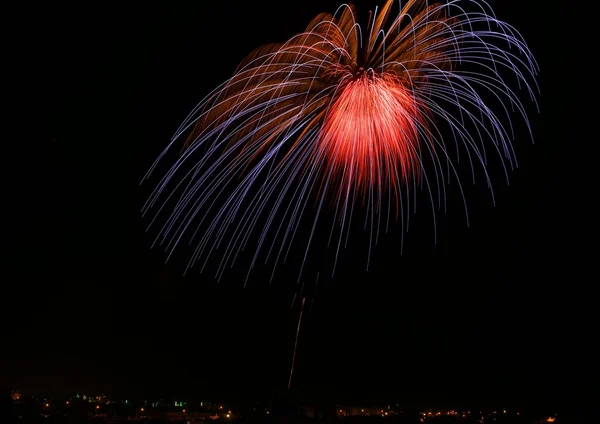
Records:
x=339, y=114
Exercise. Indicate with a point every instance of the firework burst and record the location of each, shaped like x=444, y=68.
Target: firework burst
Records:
x=340, y=115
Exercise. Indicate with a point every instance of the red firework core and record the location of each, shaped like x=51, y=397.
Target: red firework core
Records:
x=371, y=132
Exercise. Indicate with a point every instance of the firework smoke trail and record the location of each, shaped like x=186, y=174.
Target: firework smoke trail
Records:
x=343, y=117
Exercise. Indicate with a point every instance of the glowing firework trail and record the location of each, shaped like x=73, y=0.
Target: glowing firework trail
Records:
x=338, y=114
x=296, y=343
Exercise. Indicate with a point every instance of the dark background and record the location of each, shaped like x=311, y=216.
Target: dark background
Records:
x=497, y=312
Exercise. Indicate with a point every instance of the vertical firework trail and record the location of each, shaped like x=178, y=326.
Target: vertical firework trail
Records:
x=354, y=120
x=296, y=343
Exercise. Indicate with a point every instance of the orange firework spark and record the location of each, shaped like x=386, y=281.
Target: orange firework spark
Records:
x=347, y=113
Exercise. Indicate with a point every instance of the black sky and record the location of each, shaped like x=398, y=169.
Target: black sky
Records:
x=493, y=312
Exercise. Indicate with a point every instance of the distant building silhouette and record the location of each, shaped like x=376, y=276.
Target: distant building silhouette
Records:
x=284, y=405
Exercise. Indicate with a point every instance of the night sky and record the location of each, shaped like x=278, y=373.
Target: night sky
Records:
x=494, y=312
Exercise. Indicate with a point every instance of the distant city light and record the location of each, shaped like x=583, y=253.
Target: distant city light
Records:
x=227, y=414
